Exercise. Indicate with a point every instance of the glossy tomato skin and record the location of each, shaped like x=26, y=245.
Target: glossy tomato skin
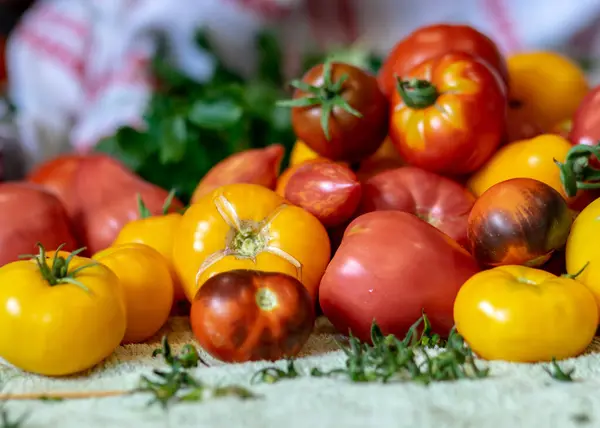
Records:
x=532, y=158
x=78, y=328
x=383, y=271
x=246, y=226
x=586, y=122
x=157, y=232
x=459, y=132
x=270, y=316
x=434, y=40
x=582, y=248
x=329, y=191
x=99, y=193
x=439, y=201
x=147, y=286
x=352, y=138
x=254, y=166
x=30, y=214
x=533, y=315
x=518, y=222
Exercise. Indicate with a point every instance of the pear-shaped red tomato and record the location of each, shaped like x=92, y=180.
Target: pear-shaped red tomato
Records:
x=389, y=267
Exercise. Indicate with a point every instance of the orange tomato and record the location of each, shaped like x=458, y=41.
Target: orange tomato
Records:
x=302, y=153
x=246, y=226
x=545, y=89
x=146, y=282
x=533, y=158
x=157, y=232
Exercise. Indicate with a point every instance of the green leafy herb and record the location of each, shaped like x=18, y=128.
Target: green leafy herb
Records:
x=556, y=372
x=389, y=358
x=177, y=384
x=190, y=126
x=275, y=374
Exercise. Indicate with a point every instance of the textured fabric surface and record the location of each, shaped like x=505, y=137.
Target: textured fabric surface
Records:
x=516, y=395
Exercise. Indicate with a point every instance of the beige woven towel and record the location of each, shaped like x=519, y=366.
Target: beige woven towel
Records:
x=516, y=395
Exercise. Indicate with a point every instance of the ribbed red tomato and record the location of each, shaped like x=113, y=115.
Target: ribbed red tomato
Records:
x=449, y=114
x=438, y=200
x=433, y=40
x=586, y=122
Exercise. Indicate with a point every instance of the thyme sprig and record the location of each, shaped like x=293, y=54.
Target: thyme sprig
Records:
x=556, y=372
x=388, y=358
x=176, y=384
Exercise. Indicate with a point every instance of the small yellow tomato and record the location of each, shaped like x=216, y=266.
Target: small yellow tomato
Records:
x=582, y=248
x=545, y=87
x=533, y=158
x=522, y=314
x=60, y=314
x=146, y=281
x=302, y=153
x=157, y=232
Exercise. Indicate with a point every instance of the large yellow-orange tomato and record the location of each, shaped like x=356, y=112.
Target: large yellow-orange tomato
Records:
x=522, y=314
x=247, y=226
x=518, y=222
x=532, y=158
x=582, y=248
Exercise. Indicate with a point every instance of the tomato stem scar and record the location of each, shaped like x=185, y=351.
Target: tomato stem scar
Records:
x=266, y=299
x=246, y=238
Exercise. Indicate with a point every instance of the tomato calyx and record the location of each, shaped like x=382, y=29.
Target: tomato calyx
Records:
x=576, y=173
x=417, y=93
x=143, y=210
x=247, y=238
x=58, y=272
x=328, y=95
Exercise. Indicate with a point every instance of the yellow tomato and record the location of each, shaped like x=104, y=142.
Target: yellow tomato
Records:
x=582, y=248
x=302, y=153
x=246, y=226
x=157, y=232
x=522, y=314
x=146, y=281
x=545, y=87
x=60, y=320
x=532, y=158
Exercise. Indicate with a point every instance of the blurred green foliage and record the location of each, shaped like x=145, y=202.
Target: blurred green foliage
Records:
x=190, y=126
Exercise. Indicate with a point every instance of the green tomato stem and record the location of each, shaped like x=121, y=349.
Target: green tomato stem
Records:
x=416, y=93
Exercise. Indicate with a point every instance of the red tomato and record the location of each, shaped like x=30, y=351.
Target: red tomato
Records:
x=339, y=112
x=450, y=115
x=268, y=316
x=586, y=122
x=389, y=267
x=520, y=221
x=439, y=201
x=431, y=41
x=329, y=191
x=99, y=194
x=30, y=214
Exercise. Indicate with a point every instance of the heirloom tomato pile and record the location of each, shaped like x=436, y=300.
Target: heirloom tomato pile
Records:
x=457, y=183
